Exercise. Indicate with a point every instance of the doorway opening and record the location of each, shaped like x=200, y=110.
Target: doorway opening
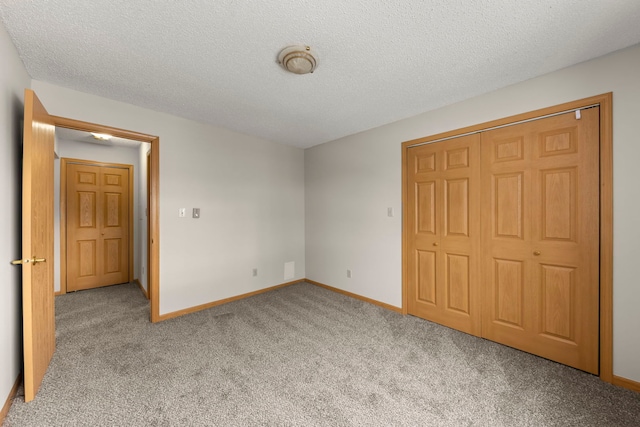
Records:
x=146, y=217
x=100, y=242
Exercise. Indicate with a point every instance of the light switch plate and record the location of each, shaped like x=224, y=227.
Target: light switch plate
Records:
x=182, y=212
x=196, y=212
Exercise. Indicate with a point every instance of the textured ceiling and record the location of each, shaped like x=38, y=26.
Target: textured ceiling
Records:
x=379, y=60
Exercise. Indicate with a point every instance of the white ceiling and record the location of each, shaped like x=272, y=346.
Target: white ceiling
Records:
x=379, y=60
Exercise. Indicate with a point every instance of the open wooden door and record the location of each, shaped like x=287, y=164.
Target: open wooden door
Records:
x=37, y=244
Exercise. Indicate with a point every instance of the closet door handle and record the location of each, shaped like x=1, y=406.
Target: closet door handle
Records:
x=536, y=253
x=435, y=244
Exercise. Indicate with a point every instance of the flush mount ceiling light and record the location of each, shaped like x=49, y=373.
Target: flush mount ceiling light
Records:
x=101, y=136
x=298, y=59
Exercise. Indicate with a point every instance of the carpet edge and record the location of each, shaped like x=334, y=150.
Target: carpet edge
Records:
x=194, y=309
x=356, y=296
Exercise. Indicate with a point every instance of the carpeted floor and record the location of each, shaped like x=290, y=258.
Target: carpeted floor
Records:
x=298, y=356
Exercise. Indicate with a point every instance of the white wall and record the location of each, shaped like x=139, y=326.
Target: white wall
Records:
x=13, y=80
x=250, y=192
x=102, y=153
x=350, y=183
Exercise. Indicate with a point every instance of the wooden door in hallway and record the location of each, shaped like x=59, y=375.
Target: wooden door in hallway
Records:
x=443, y=221
x=540, y=221
x=98, y=229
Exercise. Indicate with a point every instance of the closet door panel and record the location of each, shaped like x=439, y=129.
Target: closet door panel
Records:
x=457, y=283
x=443, y=215
x=565, y=238
x=426, y=277
x=456, y=192
x=424, y=224
x=509, y=280
x=540, y=237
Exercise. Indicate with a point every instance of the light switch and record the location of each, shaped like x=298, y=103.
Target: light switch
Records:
x=182, y=212
x=390, y=212
x=196, y=212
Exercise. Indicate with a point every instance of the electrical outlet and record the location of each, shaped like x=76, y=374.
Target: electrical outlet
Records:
x=348, y=274
x=255, y=272
x=182, y=212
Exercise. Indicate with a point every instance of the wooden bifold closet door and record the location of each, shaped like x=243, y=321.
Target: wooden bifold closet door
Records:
x=540, y=187
x=503, y=237
x=444, y=222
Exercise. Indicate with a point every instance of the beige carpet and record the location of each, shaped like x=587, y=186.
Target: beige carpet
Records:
x=298, y=356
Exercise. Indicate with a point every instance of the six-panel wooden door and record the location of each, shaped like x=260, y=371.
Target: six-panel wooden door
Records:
x=540, y=237
x=508, y=247
x=444, y=219
x=97, y=226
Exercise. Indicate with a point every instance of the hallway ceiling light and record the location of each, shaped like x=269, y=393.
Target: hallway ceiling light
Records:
x=298, y=59
x=101, y=136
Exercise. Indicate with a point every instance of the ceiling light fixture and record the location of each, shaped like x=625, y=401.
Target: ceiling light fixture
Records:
x=298, y=59
x=101, y=136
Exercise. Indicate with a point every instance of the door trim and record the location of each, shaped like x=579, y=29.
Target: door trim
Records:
x=154, y=197
x=64, y=161
x=605, y=101
x=148, y=222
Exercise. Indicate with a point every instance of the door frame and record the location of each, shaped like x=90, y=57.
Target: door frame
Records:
x=148, y=221
x=64, y=161
x=605, y=101
x=153, y=252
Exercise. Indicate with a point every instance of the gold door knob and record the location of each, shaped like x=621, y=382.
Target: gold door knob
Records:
x=34, y=260
x=435, y=244
x=536, y=253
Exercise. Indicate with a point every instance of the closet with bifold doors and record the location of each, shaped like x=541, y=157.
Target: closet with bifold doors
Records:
x=501, y=235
